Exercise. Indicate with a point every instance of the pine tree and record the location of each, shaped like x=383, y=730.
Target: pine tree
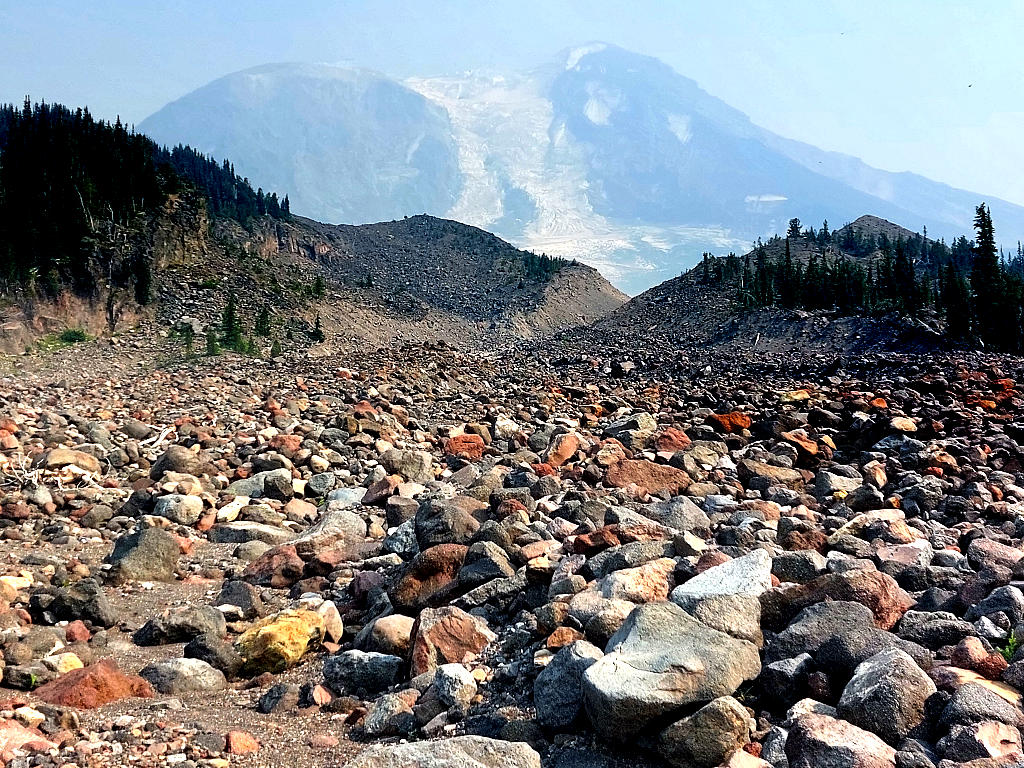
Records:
x=231, y=326
x=262, y=327
x=275, y=349
x=212, y=345
x=986, y=279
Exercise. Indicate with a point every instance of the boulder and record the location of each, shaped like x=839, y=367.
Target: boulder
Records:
x=558, y=692
x=177, y=676
x=147, y=554
x=887, y=695
x=820, y=741
x=651, y=477
x=660, y=660
x=708, y=737
x=179, y=625
x=279, y=641
x=354, y=670
x=749, y=576
x=416, y=466
x=93, y=686
x=457, y=752
x=447, y=635
x=876, y=590
x=180, y=509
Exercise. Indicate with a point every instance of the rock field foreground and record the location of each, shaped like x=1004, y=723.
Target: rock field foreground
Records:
x=434, y=558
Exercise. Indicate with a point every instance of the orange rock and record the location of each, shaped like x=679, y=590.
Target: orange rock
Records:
x=446, y=635
x=729, y=423
x=671, y=439
x=94, y=686
x=465, y=446
x=15, y=736
x=240, y=743
x=562, y=637
x=563, y=447
x=648, y=476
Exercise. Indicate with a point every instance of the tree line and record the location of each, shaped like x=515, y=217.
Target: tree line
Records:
x=72, y=188
x=971, y=284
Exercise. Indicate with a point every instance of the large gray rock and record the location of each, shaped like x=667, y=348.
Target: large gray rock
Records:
x=708, y=737
x=361, y=671
x=820, y=741
x=176, y=676
x=254, y=486
x=242, y=531
x=886, y=696
x=149, y=554
x=736, y=615
x=750, y=575
x=662, y=659
x=416, y=466
x=338, y=527
x=557, y=692
x=180, y=509
x=179, y=625
x=458, y=752
x=815, y=625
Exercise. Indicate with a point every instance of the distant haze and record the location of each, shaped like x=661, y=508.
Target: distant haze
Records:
x=932, y=87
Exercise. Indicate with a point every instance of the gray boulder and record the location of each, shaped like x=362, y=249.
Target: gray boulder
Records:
x=887, y=695
x=458, y=752
x=177, y=676
x=361, y=671
x=750, y=575
x=708, y=737
x=662, y=659
x=557, y=692
x=149, y=554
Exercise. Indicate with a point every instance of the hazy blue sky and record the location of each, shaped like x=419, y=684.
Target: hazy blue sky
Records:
x=933, y=86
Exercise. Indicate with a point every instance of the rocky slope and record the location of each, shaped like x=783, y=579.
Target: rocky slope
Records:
x=414, y=279
x=526, y=557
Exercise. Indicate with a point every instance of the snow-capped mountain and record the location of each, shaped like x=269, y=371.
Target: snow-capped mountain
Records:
x=604, y=155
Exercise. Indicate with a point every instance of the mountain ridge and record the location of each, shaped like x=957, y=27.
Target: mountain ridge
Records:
x=601, y=154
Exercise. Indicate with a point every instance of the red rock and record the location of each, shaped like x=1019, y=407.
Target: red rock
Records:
x=278, y=567
x=94, y=686
x=77, y=632
x=729, y=423
x=15, y=736
x=671, y=439
x=595, y=541
x=873, y=589
x=971, y=654
x=323, y=740
x=240, y=743
x=446, y=635
x=653, y=478
x=299, y=509
x=287, y=445
x=710, y=560
x=465, y=446
x=562, y=448
x=378, y=493
x=562, y=637
x=431, y=577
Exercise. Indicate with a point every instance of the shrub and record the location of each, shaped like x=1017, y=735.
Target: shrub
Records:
x=73, y=335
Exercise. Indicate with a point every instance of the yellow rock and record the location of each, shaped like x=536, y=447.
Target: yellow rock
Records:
x=279, y=641
x=63, y=662
x=795, y=396
x=903, y=424
x=15, y=582
x=29, y=717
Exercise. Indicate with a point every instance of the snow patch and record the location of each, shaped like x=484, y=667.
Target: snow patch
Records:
x=601, y=104
x=576, y=54
x=765, y=199
x=680, y=126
